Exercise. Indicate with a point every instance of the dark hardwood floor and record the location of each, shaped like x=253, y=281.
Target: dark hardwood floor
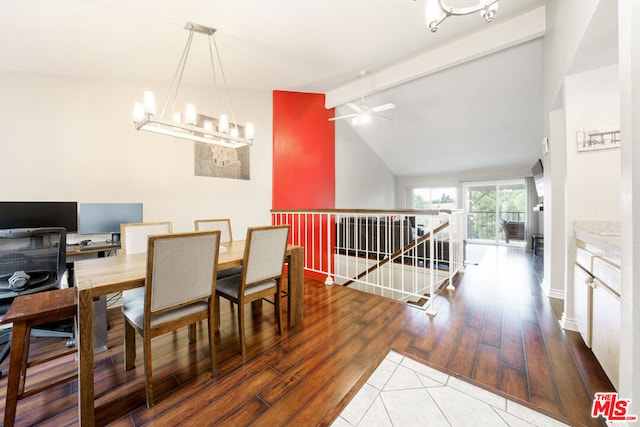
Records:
x=496, y=330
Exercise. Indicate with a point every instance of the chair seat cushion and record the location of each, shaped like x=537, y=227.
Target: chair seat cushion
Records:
x=133, y=309
x=229, y=272
x=230, y=285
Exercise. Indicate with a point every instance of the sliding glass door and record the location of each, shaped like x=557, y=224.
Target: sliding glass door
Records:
x=496, y=212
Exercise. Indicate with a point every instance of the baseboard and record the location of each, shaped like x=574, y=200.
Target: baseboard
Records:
x=568, y=323
x=551, y=293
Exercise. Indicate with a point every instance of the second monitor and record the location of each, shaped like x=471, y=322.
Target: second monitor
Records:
x=101, y=218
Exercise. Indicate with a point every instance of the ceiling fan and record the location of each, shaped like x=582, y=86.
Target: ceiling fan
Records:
x=362, y=113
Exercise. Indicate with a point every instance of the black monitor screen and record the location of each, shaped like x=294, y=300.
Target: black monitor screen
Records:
x=98, y=218
x=39, y=214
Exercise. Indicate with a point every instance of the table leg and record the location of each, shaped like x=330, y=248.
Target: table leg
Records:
x=295, y=280
x=256, y=308
x=84, y=336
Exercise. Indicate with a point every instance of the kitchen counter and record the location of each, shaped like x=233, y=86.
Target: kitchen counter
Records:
x=602, y=238
x=597, y=290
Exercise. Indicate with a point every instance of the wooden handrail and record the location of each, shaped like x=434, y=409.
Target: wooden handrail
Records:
x=399, y=252
x=409, y=212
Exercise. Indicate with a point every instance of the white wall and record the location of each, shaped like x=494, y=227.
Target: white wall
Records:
x=629, y=57
x=592, y=178
x=72, y=139
x=363, y=181
x=592, y=102
x=566, y=24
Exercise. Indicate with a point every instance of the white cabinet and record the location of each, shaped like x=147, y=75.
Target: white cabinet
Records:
x=605, y=340
x=596, y=301
x=582, y=300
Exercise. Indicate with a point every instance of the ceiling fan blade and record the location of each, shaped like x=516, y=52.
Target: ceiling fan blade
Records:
x=383, y=107
x=354, y=107
x=346, y=116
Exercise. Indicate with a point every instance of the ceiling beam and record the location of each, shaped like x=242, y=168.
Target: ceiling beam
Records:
x=493, y=38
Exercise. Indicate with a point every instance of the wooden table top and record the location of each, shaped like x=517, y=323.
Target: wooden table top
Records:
x=117, y=273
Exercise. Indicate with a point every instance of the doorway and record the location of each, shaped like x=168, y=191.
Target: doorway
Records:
x=496, y=212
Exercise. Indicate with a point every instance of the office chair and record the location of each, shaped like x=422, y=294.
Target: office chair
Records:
x=31, y=260
x=262, y=267
x=179, y=288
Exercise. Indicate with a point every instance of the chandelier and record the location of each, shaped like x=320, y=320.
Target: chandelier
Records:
x=437, y=11
x=193, y=126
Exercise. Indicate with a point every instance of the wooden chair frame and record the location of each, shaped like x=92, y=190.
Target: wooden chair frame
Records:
x=243, y=299
x=26, y=312
x=148, y=332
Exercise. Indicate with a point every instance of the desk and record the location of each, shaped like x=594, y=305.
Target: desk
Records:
x=74, y=249
x=102, y=276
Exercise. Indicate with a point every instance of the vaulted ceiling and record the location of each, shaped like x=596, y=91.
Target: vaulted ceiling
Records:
x=460, y=115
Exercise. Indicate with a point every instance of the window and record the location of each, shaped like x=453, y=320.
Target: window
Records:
x=435, y=198
x=496, y=211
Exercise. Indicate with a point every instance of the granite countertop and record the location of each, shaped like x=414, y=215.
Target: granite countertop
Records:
x=603, y=236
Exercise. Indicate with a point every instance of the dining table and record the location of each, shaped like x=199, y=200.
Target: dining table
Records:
x=102, y=276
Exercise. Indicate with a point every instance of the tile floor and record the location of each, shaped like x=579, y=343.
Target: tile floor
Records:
x=403, y=392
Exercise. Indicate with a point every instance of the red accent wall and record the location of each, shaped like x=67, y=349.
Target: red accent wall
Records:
x=303, y=152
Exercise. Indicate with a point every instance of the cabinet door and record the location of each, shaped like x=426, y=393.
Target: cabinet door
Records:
x=605, y=341
x=582, y=297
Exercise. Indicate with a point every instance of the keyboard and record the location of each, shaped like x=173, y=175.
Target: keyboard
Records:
x=99, y=245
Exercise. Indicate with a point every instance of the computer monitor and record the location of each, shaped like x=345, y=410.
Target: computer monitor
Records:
x=39, y=214
x=102, y=218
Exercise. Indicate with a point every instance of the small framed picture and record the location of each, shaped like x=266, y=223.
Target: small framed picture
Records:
x=545, y=145
x=597, y=140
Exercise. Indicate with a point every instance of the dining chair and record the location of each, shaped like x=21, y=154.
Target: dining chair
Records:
x=179, y=288
x=133, y=236
x=133, y=240
x=261, y=276
x=224, y=225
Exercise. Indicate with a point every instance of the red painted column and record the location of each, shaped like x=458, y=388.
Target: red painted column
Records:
x=304, y=163
x=303, y=152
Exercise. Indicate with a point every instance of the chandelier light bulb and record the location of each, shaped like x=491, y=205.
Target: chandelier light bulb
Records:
x=223, y=124
x=175, y=116
x=488, y=13
x=138, y=112
x=248, y=131
x=149, y=102
x=190, y=115
x=433, y=14
x=234, y=132
x=208, y=126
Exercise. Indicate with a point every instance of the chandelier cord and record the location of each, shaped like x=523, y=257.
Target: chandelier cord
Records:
x=224, y=80
x=215, y=79
x=178, y=75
